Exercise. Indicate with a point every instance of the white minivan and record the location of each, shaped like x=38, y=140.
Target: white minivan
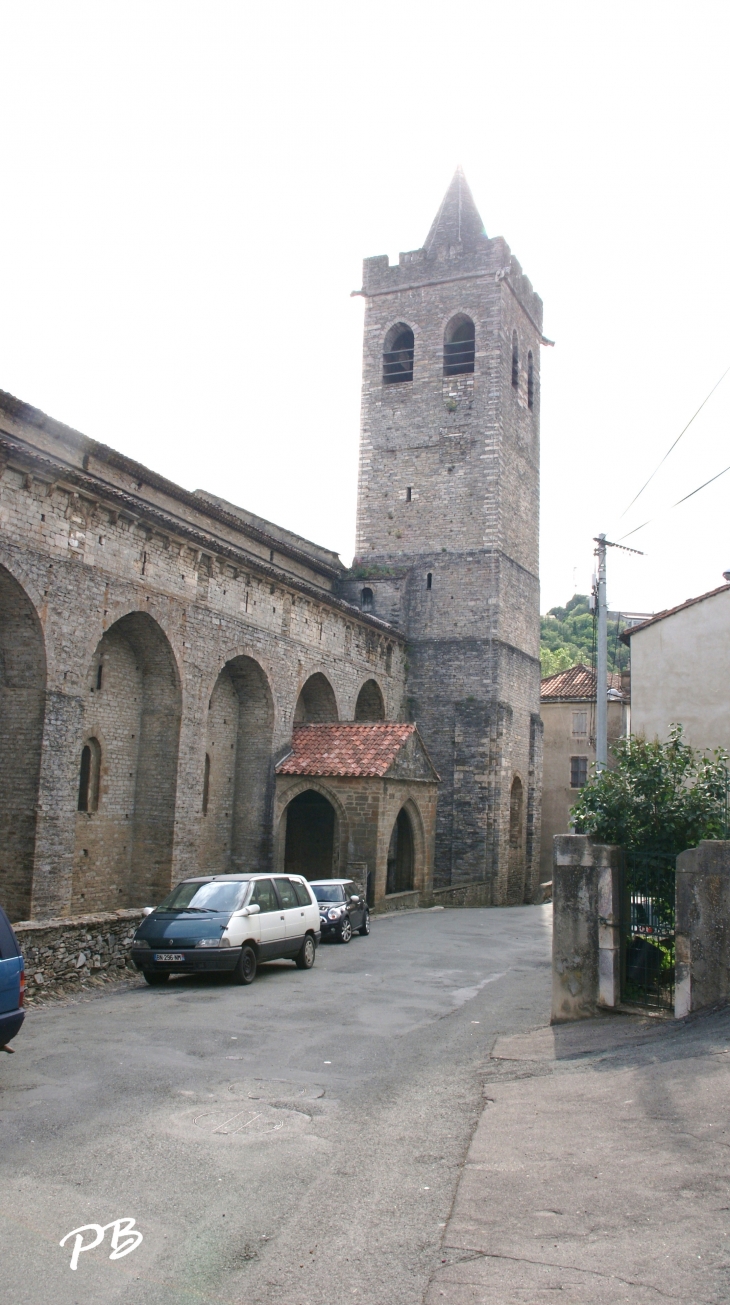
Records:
x=229, y=923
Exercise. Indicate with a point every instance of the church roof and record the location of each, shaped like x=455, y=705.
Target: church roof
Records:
x=458, y=220
x=355, y=750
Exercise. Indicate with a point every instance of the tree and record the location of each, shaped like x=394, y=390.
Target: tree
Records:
x=566, y=637
x=659, y=796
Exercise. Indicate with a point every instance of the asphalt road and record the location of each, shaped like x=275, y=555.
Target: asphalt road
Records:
x=297, y=1142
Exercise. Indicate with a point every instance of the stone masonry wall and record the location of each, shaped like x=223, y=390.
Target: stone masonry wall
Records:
x=65, y=956
x=148, y=583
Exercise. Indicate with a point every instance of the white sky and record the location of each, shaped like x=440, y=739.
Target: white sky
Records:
x=189, y=190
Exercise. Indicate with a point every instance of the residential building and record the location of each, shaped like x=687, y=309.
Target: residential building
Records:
x=680, y=671
x=568, y=709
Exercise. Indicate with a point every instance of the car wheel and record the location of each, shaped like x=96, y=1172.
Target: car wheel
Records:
x=365, y=926
x=155, y=977
x=305, y=956
x=345, y=930
x=245, y=971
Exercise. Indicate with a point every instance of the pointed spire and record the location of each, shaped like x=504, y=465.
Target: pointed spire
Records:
x=458, y=220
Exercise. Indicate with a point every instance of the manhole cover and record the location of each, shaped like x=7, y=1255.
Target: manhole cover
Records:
x=252, y=1120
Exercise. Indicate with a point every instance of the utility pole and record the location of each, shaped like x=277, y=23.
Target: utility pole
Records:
x=602, y=649
x=602, y=662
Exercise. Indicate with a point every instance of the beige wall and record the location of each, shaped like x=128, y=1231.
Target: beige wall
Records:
x=559, y=745
x=680, y=672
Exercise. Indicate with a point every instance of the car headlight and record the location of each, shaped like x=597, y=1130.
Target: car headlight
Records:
x=140, y=942
x=335, y=914
x=214, y=942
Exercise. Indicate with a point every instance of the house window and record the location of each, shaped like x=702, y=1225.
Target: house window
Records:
x=580, y=724
x=398, y=355
x=578, y=772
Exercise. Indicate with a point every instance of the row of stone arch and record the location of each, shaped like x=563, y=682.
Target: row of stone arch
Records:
x=117, y=757
x=399, y=350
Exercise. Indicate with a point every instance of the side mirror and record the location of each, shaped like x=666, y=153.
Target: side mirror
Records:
x=354, y=899
x=147, y=910
x=249, y=910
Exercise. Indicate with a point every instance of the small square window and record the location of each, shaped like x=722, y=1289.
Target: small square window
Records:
x=578, y=772
x=580, y=724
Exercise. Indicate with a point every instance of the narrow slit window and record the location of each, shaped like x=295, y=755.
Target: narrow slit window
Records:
x=206, y=783
x=99, y=672
x=366, y=600
x=429, y=578
x=398, y=355
x=515, y=361
x=89, y=776
x=530, y=381
x=459, y=347
x=409, y=495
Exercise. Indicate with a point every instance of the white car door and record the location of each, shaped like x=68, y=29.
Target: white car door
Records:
x=294, y=915
x=272, y=922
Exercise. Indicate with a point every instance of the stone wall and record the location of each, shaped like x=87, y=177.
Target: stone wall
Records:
x=156, y=627
x=63, y=957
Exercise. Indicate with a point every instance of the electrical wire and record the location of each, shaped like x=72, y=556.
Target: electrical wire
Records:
x=673, y=446
x=679, y=500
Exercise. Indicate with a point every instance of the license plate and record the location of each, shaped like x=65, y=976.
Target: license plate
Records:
x=169, y=956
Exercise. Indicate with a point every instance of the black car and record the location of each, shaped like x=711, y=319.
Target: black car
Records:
x=342, y=908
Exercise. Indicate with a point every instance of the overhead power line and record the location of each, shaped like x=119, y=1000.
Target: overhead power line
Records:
x=679, y=500
x=669, y=450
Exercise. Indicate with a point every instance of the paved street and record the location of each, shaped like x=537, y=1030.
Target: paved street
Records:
x=297, y=1141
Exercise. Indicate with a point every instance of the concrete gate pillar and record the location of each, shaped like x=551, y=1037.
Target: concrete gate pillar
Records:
x=586, y=927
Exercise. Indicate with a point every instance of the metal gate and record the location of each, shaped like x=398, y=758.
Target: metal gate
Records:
x=648, y=907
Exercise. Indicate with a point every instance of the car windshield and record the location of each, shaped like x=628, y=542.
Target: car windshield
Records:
x=215, y=896
x=328, y=892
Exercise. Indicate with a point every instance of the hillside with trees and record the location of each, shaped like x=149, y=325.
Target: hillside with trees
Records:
x=567, y=636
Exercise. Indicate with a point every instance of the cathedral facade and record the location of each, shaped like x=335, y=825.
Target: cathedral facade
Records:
x=186, y=688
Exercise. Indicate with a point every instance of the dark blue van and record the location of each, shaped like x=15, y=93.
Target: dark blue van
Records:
x=12, y=982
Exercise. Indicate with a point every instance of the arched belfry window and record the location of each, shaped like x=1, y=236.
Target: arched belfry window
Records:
x=515, y=360
x=398, y=355
x=366, y=600
x=459, y=346
x=530, y=381
x=89, y=776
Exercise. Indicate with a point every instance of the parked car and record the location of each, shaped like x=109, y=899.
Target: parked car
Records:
x=12, y=983
x=229, y=923
x=342, y=908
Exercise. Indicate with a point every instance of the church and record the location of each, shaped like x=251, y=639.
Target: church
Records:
x=187, y=688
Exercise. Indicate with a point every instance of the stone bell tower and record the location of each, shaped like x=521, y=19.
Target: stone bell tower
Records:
x=447, y=530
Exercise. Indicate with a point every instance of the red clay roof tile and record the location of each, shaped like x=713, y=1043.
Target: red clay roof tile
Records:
x=354, y=750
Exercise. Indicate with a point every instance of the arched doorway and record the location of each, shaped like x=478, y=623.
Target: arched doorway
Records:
x=316, y=703
x=22, y=711
x=237, y=777
x=516, y=861
x=370, y=705
x=127, y=768
x=311, y=826
x=400, y=856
